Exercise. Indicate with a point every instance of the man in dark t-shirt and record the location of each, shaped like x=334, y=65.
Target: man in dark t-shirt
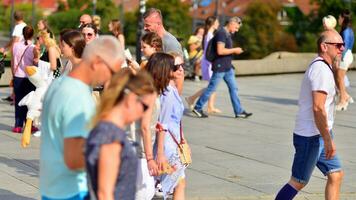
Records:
x=223, y=69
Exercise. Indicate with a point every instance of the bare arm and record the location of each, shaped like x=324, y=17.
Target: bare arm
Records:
x=53, y=55
x=9, y=44
x=108, y=170
x=222, y=51
x=122, y=40
x=73, y=153
x=147, y=141
x=320, y=118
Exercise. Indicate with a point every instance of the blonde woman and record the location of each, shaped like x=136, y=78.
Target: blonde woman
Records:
x=110, y=159
x=50, y=54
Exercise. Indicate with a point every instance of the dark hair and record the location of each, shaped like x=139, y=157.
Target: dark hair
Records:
x=151, y=11
x=75, y=40
x=346, y=22
x=28, y=33
x=197, y=29
x=160, y=65
x=209, y=22
x=116, y=27
x=18, y=15
x=153, y=39
x=64, y=31
x=321, y=39
x=91, y=25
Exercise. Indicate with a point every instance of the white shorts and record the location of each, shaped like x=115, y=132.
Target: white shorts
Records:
x=347, y=61
x=145, y=185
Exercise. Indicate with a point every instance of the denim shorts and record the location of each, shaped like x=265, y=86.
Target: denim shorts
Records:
x=309, y=152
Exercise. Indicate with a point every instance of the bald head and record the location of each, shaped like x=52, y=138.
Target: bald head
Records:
x=328, y=36
x=85, y=19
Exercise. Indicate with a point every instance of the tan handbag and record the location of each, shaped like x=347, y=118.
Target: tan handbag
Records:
x=183, y=148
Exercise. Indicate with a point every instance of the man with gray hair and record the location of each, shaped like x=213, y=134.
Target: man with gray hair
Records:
x=68, y=107
x=312, y=135
x=153, y=22
x=223, y=69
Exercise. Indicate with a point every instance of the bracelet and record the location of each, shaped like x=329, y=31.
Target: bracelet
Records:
x=148, y=160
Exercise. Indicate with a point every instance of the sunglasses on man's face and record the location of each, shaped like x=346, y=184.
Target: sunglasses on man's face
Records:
x=338, y=45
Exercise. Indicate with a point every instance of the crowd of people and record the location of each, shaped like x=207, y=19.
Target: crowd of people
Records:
x=111, y=128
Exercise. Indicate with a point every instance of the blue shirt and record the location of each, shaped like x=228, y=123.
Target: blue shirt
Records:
x=108, y=133
x=348, y=37
x=67, y=109
x=222, y=63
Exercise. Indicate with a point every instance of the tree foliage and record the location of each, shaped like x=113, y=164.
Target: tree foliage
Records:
x=261, y=33
x=25, y=8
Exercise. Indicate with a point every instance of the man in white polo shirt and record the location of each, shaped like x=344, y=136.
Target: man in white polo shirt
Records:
x=313, y=138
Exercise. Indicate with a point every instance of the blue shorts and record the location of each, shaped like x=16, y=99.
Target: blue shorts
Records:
x=309, y=152
x=80, y=196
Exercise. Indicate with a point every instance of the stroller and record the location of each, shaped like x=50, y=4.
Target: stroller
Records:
x=189, y=63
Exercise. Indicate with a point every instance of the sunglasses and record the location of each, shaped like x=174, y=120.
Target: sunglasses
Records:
x=177, y=66
x=88, y=34
x=139, y=99
x=336, y=44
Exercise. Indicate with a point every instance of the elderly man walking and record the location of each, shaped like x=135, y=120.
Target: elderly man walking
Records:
x=67, y=110
x=313, y=136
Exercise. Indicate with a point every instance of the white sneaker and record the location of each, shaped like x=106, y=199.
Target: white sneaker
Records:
x=37, y=134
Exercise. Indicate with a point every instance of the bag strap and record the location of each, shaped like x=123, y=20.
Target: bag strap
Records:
x=18, y=64
x=324, y=61
x=181, y=135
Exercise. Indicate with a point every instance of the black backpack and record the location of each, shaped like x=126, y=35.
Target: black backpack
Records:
x=210, y=53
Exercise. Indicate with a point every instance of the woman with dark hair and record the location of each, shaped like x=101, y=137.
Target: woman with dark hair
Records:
x=115, y=27
x=172, y=179
x=211, y=25
x=72, y=44
x=347, y=58
x=23, y=55
x=89, y=32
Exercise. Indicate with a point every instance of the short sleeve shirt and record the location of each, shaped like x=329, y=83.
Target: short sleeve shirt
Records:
x=318, y=77
x=171, y=44
x=68, y=107
x=17, y=32
x=222, y=63
x=108, y=133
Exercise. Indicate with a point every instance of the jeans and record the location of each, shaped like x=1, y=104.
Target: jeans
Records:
x=22, y=86
x=229, y=78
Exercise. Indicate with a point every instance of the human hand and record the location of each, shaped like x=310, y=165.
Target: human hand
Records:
x=238, y=50
x=152, y=167
x=330, y=149
x=2, y=50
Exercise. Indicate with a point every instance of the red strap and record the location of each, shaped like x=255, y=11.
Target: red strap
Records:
x=181, y=135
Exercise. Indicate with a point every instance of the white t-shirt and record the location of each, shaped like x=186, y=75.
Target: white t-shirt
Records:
x=318, y=77
x=17, y=32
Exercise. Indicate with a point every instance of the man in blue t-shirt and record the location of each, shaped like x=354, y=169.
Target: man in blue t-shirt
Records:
x=67, y=110
x=223, y=69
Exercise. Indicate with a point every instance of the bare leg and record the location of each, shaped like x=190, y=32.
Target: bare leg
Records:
x=191, y=99
x=179, y=191
x=341, y=86
x=332, y=189
x=211, y=104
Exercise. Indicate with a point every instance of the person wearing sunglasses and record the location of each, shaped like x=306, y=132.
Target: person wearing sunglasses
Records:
x=313, y=135
x=68, y=106
x=161, y=67
x=89, y=32
x=111, y=161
